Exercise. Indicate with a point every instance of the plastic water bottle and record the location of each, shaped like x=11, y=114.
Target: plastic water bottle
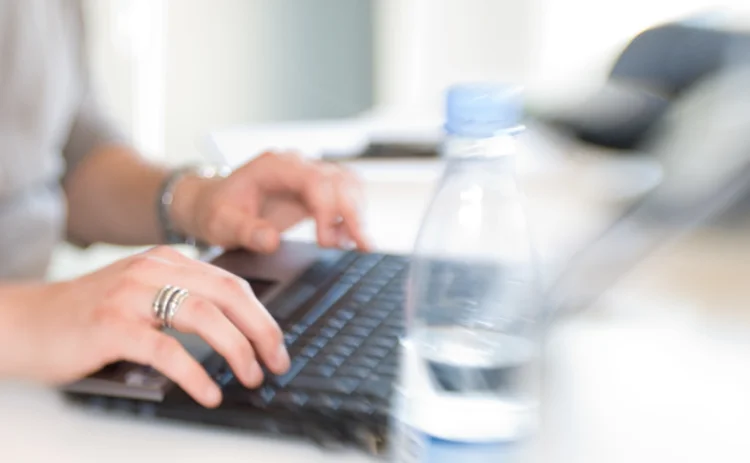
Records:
x=468, y=387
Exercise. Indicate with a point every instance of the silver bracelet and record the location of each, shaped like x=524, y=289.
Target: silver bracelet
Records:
x=165, y=199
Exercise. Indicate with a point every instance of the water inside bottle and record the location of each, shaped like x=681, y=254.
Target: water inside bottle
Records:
x=469, y=360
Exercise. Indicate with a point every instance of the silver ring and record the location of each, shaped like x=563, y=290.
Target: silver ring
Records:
x=167, y=303
x=174, y=306
x=161, y=299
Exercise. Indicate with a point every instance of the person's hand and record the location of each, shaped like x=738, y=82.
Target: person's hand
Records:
x=72, y=329
x=268, y=195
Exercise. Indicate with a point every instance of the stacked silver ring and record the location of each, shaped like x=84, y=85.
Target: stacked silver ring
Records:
x=167, y=303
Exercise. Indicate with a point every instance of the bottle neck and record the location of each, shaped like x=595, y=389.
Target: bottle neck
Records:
x=460, y=147
x=491, y=154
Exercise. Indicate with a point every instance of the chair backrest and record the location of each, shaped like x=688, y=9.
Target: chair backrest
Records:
x=671, y=58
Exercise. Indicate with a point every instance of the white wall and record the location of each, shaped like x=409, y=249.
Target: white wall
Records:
x=126, y=41
x=580, y=39
x=557, y=48
x=213, y=75
x=425, y=45
x=171, y=70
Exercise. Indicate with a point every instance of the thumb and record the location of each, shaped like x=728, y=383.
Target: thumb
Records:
x=258, y=235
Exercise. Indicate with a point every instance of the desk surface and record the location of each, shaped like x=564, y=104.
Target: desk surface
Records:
x=659, y=372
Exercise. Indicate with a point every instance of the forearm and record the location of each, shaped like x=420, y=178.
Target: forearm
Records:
x=112, y=198
x=16, y=347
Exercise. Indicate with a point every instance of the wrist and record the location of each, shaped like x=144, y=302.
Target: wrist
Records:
x=183, y=211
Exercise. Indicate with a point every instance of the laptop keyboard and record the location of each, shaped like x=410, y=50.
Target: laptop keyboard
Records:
x=344, y=348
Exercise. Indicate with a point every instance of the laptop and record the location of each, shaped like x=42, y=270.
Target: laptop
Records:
x=342, y=315
x=342, y=311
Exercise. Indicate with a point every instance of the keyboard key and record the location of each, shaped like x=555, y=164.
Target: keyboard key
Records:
x=390, y=363
x=362, y=298
x=292, y=399
x=394, y=323
x=379, y=281
x=336, y=323
x=373, y=351
x=325, y=401
x=331, y=360
x=357, y=405
x=366, y=262
x=319, y=342
x=386, y=306
x=335, y=385
x=354, y=306
x=390, y=297
x=328, y=332
x=262, y=397
x=379, y=388
x=339, y=349
x=347, y=340
x=369, y=290
x=384, y=342
x=289, y=339
x=359, y=331
x=225, y=378
x=354, y=372
x=366, y=362
x=325, y=371
x=297, y=364
x=219, y=369
x=345, y=314
x=389, y=332
x=367, y=322
x=297, y=329
x=378, y=313
x=306, y=337
x=386, y=370
x=353, y=276
x=310, y=351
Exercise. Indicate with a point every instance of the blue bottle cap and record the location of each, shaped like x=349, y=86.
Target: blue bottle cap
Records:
x=482, y=110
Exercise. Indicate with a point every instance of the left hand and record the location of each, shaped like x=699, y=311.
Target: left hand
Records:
x=268, y=195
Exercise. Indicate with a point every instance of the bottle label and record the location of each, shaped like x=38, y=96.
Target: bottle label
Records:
x=414, y=446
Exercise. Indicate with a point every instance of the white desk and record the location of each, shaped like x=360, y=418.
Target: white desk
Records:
x=661, y=372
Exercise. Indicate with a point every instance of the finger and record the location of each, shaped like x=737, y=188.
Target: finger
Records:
x=349, y=207
x=343, y=238
x=201, y=317
x=284, y=211
x=289, y=173
x=250, y=232
x=239, y=227
x=320, y=197
x=257, y=235
x=231, y=294
x=168, y=356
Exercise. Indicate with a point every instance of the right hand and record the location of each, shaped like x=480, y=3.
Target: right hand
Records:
x=75, y=328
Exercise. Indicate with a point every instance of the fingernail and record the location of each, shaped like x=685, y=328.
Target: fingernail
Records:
x=282, y=358
x=347, y=245
x=213, y=395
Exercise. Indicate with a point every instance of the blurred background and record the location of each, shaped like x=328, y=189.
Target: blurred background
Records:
x=174, y=73
x=173, y=70
x=672, y=339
